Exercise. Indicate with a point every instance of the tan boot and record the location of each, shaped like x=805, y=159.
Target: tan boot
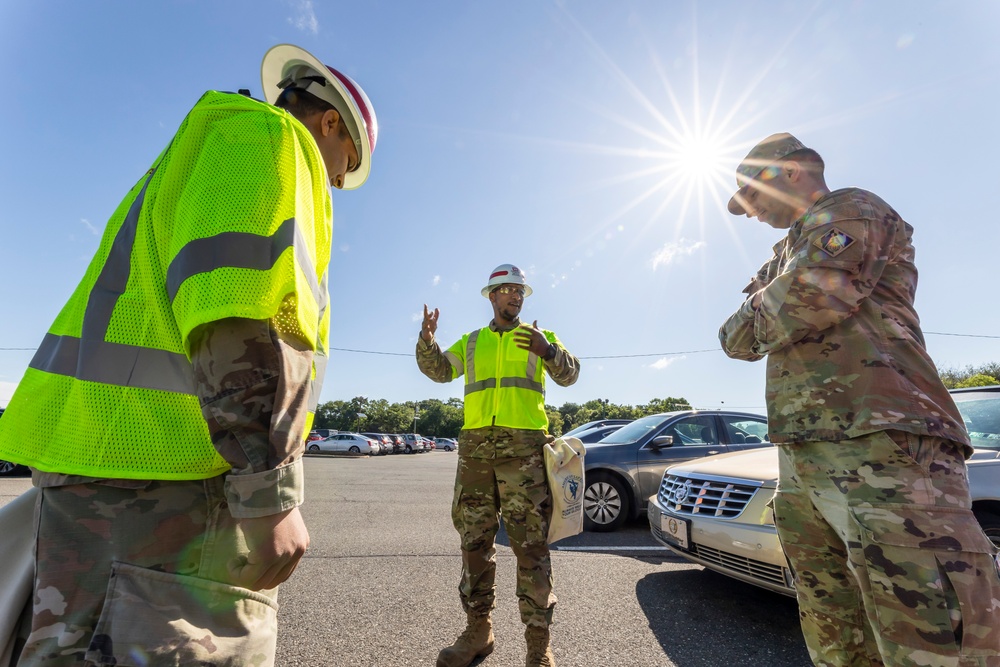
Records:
x=475, y=642
x=539, y=651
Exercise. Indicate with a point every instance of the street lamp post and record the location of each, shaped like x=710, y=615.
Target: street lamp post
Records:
x=416, y=413
x=361, y=416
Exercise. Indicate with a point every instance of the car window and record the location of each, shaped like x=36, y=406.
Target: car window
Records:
x=636, y=430
x=982, y=418
x=743, y=429
x=694, y=431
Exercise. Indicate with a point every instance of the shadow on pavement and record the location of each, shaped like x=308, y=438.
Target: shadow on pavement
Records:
x=701, y=618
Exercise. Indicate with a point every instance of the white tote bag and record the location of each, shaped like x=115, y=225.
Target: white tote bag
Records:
x=17, y=566
x=564, y=469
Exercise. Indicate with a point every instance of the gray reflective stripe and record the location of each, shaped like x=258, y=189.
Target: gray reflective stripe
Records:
x=482, y=385
x=114, y=364
x=532, y=365
x=94, y=359
x=241, y=250
x=470, y=358
x=523, y=383
x=455, y=362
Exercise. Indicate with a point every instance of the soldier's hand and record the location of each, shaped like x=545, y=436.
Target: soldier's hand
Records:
x=530, y=337
x=275, y=545
x=430, y=324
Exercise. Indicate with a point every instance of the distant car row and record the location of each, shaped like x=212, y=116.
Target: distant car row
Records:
x=375, y=444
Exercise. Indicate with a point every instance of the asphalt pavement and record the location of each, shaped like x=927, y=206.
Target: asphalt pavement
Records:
x=378, y=586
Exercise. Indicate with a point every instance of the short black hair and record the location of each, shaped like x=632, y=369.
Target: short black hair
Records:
x=302, y=104
x=809, y=159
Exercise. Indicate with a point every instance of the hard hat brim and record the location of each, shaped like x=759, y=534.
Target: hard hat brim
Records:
x=283, y=57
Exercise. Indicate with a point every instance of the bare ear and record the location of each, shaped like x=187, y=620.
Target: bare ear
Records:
x=791, y=169
x=329, y=121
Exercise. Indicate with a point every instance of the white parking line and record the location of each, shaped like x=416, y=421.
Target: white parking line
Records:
x=599, y=548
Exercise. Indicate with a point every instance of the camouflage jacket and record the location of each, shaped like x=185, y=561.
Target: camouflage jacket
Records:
x=563, y=368
x=845, y=353
x=253, y=384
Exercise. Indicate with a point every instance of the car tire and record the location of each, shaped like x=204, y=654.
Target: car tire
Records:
x=409, y=450
x=605, y=503
x=8, y=469
x=313, y=448
x=991, y=526
x=354, y=449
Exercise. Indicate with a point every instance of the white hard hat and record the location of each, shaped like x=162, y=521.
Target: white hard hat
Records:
x=286, y=65
x=504, y=274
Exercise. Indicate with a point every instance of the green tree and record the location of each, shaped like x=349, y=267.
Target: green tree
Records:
x=977, y=380
x=954, y=378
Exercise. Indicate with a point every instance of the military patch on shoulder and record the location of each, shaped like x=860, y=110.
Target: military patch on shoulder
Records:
x=834, y=242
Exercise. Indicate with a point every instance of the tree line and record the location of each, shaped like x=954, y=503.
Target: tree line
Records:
x=444, y=419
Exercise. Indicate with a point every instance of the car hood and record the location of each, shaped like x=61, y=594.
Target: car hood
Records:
x=758, y=464
x=762, y=464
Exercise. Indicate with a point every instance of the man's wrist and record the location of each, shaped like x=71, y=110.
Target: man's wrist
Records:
x=550, y=354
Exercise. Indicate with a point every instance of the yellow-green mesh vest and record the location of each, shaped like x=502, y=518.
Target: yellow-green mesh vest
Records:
x=233, y=220
x=504, y=385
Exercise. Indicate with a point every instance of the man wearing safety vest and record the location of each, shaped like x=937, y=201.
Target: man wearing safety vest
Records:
x=500, y=462
x=165, y=412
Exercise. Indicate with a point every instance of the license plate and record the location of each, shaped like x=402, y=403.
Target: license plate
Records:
x=675, y=530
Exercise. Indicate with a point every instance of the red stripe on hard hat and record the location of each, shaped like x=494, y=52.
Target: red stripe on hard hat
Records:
x=499, y=273
x=359, y=101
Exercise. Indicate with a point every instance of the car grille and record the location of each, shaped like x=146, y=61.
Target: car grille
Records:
x=706, y=497
x=756, y=569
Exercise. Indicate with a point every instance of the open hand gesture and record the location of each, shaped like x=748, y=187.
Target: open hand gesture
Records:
x=430, y=324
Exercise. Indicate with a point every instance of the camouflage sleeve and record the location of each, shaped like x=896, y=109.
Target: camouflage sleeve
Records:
x=563, y=368
x=737, y=335
x=435, y=364
x=254, y=387
x=836, y=266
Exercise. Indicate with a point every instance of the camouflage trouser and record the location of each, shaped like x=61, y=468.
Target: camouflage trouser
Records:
x=503, y=471
x=129, y=576
x=890, y=565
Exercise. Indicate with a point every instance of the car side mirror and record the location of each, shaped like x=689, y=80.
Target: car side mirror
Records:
x=662, y=441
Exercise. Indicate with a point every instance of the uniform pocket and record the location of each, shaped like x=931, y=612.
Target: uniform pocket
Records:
x=932, y=577
x=157, y=619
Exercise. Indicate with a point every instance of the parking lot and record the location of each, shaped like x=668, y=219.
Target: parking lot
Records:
x=378, y=585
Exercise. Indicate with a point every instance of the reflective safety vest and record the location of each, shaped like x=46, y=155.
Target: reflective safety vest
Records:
x=233, y=220
x=504, y=384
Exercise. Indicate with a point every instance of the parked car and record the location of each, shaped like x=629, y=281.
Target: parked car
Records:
x=320, y=433
x=8, y=469
x=596, y=434
x=398, y=444
x=595, y=424
x=625, y=468
x=384, y=441
x=714, y=512
x=354, y=443
x=413, y=443
x=446, y=444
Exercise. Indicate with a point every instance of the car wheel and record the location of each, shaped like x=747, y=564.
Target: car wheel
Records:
x=409, y=450
x=991, y=526
x=354, y=449
x=313, y=448
x=605, y=504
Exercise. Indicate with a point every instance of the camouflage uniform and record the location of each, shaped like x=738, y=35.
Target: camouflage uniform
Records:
x=501, y=470
x=873, y=507
x=133, y=572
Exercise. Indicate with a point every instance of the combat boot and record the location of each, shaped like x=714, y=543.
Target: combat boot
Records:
x=539, y=651
x=475, y=642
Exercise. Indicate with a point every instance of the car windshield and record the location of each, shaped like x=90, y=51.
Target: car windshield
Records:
x=981, y=413
x=636, y=430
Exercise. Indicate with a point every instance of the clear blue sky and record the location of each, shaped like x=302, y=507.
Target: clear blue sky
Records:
x=591, y=143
